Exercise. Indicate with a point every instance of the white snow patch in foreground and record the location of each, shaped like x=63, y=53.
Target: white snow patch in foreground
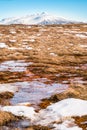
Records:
x=60, y=110
x=3, y=45
x=57, y=112
x=20, y=111
x=81, y=35
x=66, y=126
x=8, y=88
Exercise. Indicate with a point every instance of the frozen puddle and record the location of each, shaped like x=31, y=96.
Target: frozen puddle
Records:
x=34, y=91
x=14, y=66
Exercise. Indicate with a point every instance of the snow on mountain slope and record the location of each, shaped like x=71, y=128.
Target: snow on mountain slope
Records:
x=42, y=19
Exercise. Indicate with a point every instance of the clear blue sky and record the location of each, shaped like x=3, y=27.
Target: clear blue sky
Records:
x=71, y=9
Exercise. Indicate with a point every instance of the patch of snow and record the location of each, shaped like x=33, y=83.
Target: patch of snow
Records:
x=83, y=46
x=65, y=108
x=65, y=126
x=25, y=111
x=1, y=34
x=29, y=48
x=39, y=34
x=53, y=54
x=81, y=36
x=29, y=26
x=8, y=88
x=85, y=32
x=3, y=45
x=58, y=115
x=40, y=19
x=75, y=29
x=69, y=31
x=85, y=26
x=20, y=48
x=48, y=48
x=12, y=31
x=25, y=40
x=13, y=48
x=12, y=41
x=60, y=27
x=65, y=82
x=78, y=80
x=14, y=66
x=32, y=40
x=24, y=104
x=42, y=30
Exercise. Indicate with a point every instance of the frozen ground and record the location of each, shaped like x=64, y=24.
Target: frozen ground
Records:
x=44, y=67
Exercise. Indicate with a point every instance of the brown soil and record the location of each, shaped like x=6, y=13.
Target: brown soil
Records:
x=6, y=117
x=81, y=122
x=4, y=98
x=39, y=128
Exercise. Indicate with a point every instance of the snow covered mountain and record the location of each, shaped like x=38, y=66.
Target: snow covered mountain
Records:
x=35, y=19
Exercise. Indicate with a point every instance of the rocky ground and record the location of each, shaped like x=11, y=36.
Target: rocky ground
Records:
x=39, y=66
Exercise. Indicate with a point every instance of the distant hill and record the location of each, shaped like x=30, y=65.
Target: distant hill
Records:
x=35, y=19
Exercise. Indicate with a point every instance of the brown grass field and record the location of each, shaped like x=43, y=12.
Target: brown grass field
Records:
x=57, y=52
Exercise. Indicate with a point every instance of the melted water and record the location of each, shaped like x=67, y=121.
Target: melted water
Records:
x=34, y=91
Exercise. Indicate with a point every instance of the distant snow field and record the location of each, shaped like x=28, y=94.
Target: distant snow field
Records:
x=34, y=19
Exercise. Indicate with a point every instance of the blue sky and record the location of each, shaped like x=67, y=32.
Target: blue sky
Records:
x=70, y=9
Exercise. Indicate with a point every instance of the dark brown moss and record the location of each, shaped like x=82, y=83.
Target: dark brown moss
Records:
x=6, y=117
x=81, y=121
x=44, y=103
x=40, y=128
x=5, y=98
x=6, y=95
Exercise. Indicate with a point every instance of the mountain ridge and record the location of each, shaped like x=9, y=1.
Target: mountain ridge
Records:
x=35, y=19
